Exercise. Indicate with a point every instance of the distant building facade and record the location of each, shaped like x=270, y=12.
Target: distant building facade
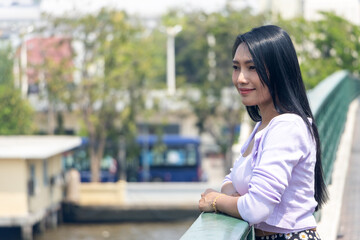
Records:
x=40, y=51
x=309, y=9
x=55, y=55
x=18, y=18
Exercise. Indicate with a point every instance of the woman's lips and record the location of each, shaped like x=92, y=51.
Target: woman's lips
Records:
x=246, y=90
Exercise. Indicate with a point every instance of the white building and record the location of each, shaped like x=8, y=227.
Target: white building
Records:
x=17, y=18
x=309, y=9
x=286, y=8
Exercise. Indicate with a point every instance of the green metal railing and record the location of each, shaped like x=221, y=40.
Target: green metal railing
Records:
x=219, y=226
x=329, y=102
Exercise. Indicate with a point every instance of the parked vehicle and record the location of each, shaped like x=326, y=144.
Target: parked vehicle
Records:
x=170, y=158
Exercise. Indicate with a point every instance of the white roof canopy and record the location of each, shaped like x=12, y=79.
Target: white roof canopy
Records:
x=36, y=147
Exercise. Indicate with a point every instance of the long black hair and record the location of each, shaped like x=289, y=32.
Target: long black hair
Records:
x=275, y=58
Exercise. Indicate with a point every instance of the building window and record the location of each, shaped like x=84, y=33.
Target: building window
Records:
x=45, y=172
x=32, y=181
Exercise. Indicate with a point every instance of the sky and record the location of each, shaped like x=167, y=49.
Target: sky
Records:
x=25, y=9
x=144, y=8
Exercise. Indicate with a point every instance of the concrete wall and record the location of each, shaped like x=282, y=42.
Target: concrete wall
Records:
x=55, y=169
x=13, y=188
x=97, y=194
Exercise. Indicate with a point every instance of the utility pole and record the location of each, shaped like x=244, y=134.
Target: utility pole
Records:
x=170, y=76
x=211, y=57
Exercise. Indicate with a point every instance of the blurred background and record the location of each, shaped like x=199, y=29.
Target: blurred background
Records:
x=116, y=115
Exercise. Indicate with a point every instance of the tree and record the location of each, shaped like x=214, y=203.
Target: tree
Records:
x=15, y=112
x=115, y=65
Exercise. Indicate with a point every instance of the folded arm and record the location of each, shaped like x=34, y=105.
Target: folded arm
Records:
x=212, y=200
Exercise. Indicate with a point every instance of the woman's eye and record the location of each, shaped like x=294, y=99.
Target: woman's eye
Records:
x=252, y=67
x=235, y=67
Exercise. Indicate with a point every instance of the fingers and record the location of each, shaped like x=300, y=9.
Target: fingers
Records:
x=206, y=200
x=201, y=204
x=208, y=190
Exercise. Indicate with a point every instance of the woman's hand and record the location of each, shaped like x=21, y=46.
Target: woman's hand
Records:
x=223, y=203
x=206, y=200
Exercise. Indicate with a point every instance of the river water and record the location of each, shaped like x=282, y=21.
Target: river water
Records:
x=117, y=231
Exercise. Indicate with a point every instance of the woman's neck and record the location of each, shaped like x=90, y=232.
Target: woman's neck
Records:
x=267, y=114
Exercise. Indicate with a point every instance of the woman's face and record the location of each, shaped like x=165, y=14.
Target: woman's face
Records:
x=247, y=81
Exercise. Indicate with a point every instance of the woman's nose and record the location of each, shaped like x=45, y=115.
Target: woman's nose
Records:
x=241, y=78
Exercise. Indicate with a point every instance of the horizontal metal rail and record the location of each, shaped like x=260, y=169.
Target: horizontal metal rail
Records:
x=218, y=226
x=330, y=101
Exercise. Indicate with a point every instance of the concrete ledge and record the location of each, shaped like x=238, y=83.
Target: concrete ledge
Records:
x=95, y=214
x=330, y=215
x=102, y=193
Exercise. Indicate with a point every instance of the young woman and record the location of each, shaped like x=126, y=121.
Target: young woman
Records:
x=277, y=182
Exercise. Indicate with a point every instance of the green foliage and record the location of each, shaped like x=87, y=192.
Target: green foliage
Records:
x=56, y=76
x=324, y=46
x=120, y=60
x=6, y=74
x=58, y=79
x=203, y=61
x=15, y=113
x=209, y=34
x=191, y=50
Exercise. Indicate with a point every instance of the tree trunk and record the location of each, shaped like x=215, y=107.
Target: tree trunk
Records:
x=95, y=165
x=50, y=118
x=96, y=155
x=122, y=159
x=60, y=123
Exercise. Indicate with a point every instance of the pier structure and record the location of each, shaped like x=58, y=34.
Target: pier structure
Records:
x=32, y=181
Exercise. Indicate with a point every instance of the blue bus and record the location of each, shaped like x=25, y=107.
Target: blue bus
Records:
x=172, y=158
x=79, y=159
